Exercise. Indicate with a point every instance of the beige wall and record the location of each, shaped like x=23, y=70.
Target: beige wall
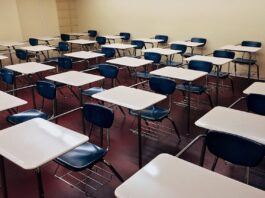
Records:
x=220, y=21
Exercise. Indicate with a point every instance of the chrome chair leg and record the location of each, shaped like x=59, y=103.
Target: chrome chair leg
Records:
x=113, y=170
x=175, y=128
x=214, y=163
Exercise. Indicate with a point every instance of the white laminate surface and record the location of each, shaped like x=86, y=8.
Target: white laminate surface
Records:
x=240, y=48
x=113, y=37
x=8, y=101
x=77, y=34
x=29, y=68
x=75, y=78
x=10, y=43
x=187, y=43
x=129, y=62
x=162, y=51
x=3, y=57
x=119, y=46
x=148, y=40
x=38, y=48
x=130, y=98
x=84, y=55
x=179, y=73
x=33, y=143
x=47, y=38
x=213, y=60
x=82, y=42
x=167, y=176
x=248, y=125
x=255, y=88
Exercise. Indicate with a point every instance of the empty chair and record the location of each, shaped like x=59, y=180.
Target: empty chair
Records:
x=250, y=61
x=8, y=78
x=65, y=37
x=101, y=40
x=223, y=75
x=63, y=47
x=126, y=36
x=182, y=49
x=139, y=46
x=108, y=52
x=157, y=113
x=92, y=33
x=155, y=57
x=193, y=88
x=65, y=63
x=47, y=90
x=87, y=155
x=197, y=40
x=33, y=41
x=255, y=103
x=164, y=39
x=23, y=55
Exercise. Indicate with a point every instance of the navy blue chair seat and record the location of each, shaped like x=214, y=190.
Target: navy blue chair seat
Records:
x=82, y=157
x=93, y=90
x=196, y=89
x=26, y=115
x=153, y=113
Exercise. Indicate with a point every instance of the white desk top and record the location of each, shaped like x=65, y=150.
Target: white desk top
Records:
x=162, y=51
x=179, y=73
x=255, y=88
x=8, y=101
x=82, y=42
x=119, y=46
x=148, y=40
x=75, y=78
x=38, y=48
x=10, y=43
x=129, y=62
x=240, y=48
x=34, y=143
x=131, y=98
x=187, y=43
x=84, y=55
x=29, y=68
x=77, y=34
x=236, y=122
x=113, y=37
x=3, y=57
x=47, y=38
x=214, y=60
x=167, y=176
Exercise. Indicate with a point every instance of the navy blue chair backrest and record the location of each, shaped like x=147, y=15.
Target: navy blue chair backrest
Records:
x=109, y=52
x=92, y=33
x=63, y=46
x=101, y=40
x=126, y=36
x=199, y=40
x=162, y=37
x=200, y=66
x=21, y=54
x=179, y=47
x=65, y=63
x=162, y=85
x=256, y=103
x=8, y=76
x=108, y=71
x=235, y=149
x=98, y=115
x=33, y=41
x=46, y=89
x=65, y=37
x=224, y=54
x=139, y=44
x=251, y=43
x=155, y=57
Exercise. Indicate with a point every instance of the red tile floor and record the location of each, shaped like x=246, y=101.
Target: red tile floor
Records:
x=123, y=150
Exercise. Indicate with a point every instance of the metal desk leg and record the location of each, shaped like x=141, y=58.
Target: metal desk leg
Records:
x=32, y=91
x=249, y=66
x=3, y=177
x=188, y=117
x=39, y=180
x=10, y=54
x=217, y=85
x=203, y=151
x=139, y=140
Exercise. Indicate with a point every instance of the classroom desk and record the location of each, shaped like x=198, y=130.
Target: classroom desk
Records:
x=248, y=125
x=186, y=75
x=163, y=51
x=218, y=62
x=255, y=88
x=134, y=99
x=8, y=101
x=190, y=44
x=113, y=37
x=167, y=176
x=85, y=55
x=119, y=46
x=2, y=58
x=77, y=34
x=47, y=39
x=82, y=42
x=150, y=41
x=33, y=143
x=37, y=49
x=11, y=45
